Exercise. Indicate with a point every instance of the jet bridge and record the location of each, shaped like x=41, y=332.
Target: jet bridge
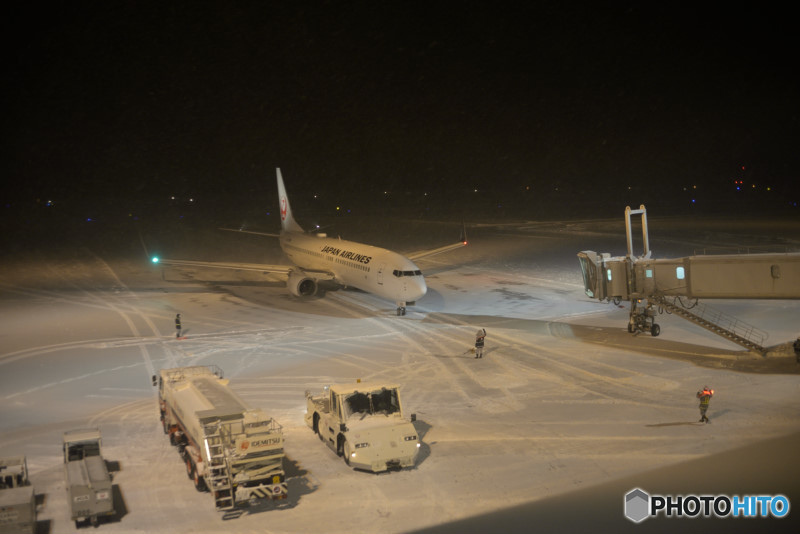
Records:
x=676, y=285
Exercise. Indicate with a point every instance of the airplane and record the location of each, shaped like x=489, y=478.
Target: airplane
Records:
x=316, y=257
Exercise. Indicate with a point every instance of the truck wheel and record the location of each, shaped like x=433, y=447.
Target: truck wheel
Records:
x=189, y=467
x=340, y=446
x=316, y=426
x=346, y=451
x=199, y=482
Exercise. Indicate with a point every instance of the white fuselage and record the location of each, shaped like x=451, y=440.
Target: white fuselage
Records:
x=372, y=269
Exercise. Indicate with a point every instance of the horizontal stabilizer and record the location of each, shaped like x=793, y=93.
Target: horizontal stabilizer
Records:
x=248, y=232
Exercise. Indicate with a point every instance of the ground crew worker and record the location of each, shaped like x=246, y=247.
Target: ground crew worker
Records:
x=178, y=325
x=479, y=335
x=705, y=397
x=797, y=349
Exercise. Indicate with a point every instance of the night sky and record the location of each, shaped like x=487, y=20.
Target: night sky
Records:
x=559, y=106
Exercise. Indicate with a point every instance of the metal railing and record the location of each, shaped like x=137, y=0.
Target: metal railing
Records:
x=735, y=328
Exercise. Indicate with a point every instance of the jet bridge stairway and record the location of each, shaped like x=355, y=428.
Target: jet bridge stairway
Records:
x=715, y=321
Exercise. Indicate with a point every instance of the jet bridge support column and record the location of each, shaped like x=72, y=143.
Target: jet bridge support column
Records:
x=645, y=238
x=642, y=316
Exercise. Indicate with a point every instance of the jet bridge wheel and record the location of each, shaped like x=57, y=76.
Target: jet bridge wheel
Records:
x=655, y=330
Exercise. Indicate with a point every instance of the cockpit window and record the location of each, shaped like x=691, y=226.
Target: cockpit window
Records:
x=383, y=401
x=357, y=403
x=399, y=273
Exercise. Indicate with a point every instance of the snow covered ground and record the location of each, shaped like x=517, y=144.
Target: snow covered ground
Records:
x=565, y=400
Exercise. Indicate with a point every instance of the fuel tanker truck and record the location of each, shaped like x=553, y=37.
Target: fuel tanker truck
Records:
x=231, y=450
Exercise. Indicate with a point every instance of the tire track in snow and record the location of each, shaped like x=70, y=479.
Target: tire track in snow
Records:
x=405, y=330
x=138, y=312
x=549, y=363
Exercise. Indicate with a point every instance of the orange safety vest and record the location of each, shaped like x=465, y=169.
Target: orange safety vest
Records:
x=705, y=396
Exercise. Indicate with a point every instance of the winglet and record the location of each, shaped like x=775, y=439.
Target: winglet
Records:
x=288, y=223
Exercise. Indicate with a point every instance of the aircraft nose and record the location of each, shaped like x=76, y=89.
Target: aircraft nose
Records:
x=418, y=289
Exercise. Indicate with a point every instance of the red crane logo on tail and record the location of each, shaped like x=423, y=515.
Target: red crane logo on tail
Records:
x=283, y=208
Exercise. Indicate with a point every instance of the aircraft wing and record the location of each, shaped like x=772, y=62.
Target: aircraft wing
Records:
x=256, y=267
x=426, y=253
x=414, y=256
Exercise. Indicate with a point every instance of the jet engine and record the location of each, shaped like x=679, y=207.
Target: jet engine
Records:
x=301, y=285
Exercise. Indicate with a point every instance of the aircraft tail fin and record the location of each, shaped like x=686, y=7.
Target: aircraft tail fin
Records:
x=288, y=223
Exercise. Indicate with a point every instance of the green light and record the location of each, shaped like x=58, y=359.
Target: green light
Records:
x=155, y=259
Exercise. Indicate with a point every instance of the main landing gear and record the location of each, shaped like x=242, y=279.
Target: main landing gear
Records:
x=401, y=310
